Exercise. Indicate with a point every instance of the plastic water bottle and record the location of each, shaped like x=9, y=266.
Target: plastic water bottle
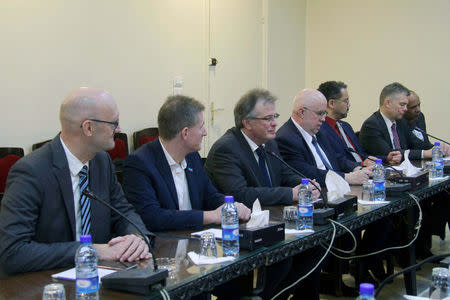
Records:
x=230, y=228
x=438, y=161
x=439, y=284
x=86, y=262
x=379, y=179
x=305, y=206
x=366, y=291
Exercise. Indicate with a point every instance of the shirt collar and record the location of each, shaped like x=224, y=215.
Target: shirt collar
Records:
x=75, y=165
x=251, y=143
x=331, y=121
x=387, y=121
x=170, y=160
x=303, y=132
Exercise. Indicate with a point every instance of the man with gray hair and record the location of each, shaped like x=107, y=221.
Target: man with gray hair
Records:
x=44, y=211
x=386, y=130
x=239, y=165
x=164, y=179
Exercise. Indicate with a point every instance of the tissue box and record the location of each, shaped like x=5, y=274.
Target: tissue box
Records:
x=253, y=238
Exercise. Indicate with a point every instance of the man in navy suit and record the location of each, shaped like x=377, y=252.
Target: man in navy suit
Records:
x=165, y=180
x=386, y=130
x=340, y=133
x=307, y=149
x=43, y=212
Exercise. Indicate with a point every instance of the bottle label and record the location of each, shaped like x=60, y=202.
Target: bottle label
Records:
x=379, y=186
x=230, y=234
x=87, y=285
x=439, y=164
x=305, y=210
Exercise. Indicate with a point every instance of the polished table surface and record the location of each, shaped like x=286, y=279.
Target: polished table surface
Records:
x=188, y=280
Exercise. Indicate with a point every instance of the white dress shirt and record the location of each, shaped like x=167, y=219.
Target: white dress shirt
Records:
x=75, y=166
x=308, y=139
x=179, y=178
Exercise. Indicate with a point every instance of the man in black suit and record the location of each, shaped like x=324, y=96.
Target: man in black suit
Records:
x=415, y=117
x=238, y=165
x=339, y=132
x=43, y=212
x=308, y=149
x=386, y=130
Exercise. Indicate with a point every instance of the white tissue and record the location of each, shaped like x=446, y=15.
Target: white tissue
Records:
x=258, y=218
x=336, y=185
x=407, y=167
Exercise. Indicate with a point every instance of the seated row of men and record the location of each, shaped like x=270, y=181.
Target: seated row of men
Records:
x=44, y=212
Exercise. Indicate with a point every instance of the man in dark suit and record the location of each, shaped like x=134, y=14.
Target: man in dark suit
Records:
x=238, y=165
x=385, y=130
x=306, y=148
x=43, y=212
x=339, y=132
x=415, y=118
x=165, y=180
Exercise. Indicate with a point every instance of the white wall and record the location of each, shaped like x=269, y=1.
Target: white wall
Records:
x=369, y=44
x=131, y=48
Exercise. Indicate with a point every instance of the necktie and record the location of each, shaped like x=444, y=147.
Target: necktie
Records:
x=316, y=145
x=395, y=136
x=347, y=142
x=262, y=165
x=85, y=204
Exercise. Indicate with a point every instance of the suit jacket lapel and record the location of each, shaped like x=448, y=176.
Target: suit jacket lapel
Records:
x=62, y=174
x=249, y=156
x=298, y=135
x=382, y=124
x=190, y=178
x=164, y=169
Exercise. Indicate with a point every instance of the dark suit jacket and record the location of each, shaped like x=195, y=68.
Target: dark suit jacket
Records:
x=375, y=139
x=420, y=122
x=233, y=169
x=296, y=152
x=339, y=144
x=149, y=186
x=37, y=219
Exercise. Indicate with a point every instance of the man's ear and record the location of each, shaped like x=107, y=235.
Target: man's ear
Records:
x=246, y=124
x=87, y=127
x=184, y=133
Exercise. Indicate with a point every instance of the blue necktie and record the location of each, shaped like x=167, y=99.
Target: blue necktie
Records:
x=85, y=204
x=262, y=165
x=327, y=165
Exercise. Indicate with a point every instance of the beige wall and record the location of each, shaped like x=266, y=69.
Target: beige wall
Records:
x=134, y=49
x=369, y=44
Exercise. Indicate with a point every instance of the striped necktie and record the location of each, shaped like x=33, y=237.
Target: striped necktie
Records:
x=85, y=204
x=347, y=142
x=316, y=145
x=395, y=139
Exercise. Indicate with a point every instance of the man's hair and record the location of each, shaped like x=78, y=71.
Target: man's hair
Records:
x=392, y=89
x=332, y=89
x=245, y=108
x=176, y=113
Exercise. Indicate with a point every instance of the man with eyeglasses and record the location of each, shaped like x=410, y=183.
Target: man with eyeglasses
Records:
x=386, y=130
x=307, y=149
x=44, y=211
x=339, y=132
x=239, y=165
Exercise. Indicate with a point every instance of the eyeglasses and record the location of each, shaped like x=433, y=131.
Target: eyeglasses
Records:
x=346, y=101
x=266, y=118
x=321, y=114
x=115, y=124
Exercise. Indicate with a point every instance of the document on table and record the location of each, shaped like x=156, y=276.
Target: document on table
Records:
x=71, y=274
x=217, y=233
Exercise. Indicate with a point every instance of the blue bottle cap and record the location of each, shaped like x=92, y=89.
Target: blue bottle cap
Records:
x=366, y=289
x=305, y=180
x=378, y=161
x=86, y=239
x=437, y=143
x=229, y=199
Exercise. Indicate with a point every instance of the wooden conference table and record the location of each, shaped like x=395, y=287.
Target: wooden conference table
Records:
x=188, y=280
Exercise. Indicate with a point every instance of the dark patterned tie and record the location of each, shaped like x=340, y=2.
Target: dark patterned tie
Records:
x=85, y=204
x=395, y=136
x=316, y=145
x=262, y=165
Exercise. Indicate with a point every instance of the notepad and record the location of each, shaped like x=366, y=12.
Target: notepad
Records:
x=217, y=233
x=71, y=274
